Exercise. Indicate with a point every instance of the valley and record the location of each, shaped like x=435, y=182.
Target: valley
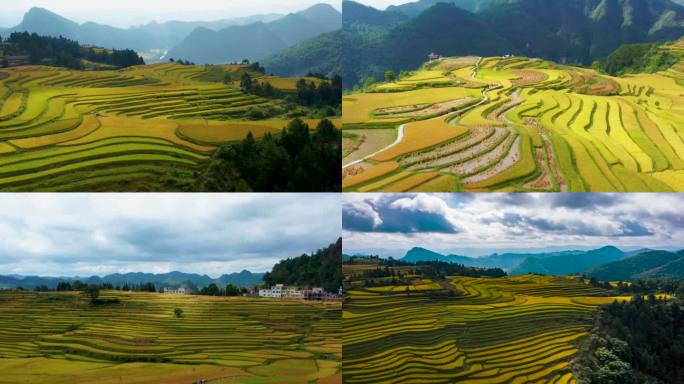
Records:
x=517, y=124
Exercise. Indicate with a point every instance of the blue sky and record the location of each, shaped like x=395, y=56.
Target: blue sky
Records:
x=86, y=234
x=479, y=224
x=123, y=13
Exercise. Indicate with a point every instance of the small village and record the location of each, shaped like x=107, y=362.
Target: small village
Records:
x=278, y=291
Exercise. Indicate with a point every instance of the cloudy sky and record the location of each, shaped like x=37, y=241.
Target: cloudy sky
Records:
x=98, y=234
x=123, y=13
x=479, y=224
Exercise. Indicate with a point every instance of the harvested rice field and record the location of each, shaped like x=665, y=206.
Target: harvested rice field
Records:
x=60, y=337
x=523, y=125
x=144, y=128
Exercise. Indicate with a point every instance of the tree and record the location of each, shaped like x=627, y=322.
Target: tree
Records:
x=178, y=312
x=5, y=63
x=211, y=290
x=369, y=82
x=232, y=290
x=390, y=76
x=227, y=79
x=93, y=291
x=246, y=83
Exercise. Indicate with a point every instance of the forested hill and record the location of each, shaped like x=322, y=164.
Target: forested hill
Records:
x=320, y=269
x=564, y=31
x=30, y=48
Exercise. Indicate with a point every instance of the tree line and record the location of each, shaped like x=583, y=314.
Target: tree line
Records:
x=295, y=160
x=442, y=269
x=63, y=52
x=328, y=93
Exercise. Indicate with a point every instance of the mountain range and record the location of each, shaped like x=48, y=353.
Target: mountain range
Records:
x=212, y=42
x=606, y=263
x=565, y=31
x=171, y=279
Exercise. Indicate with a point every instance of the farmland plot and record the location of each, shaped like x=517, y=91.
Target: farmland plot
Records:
x=62, y=338
x=566, y=128
x=182, y=109
x=520, y=329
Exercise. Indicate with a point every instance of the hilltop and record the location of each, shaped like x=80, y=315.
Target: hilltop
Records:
x=565, y=31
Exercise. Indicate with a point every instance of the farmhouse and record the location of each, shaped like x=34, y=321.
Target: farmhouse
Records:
x=433, y=56
x=291, y=292
x=179, y=291
x=281, y=291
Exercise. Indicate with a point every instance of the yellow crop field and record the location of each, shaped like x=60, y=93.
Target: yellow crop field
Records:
x=514, y=329
x=138, y=339
x=589, y=132
x=187, y=107
x=421, y=135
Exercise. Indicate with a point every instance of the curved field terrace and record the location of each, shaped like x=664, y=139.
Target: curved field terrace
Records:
x=518, y=124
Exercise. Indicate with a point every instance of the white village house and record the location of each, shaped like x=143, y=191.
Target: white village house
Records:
x=291, y=292
x=179, y=291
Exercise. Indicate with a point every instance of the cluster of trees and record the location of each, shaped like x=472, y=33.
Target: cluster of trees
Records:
x=441, y=269
x=636, y=58
x=295, y=160
x=643, y=287
x=78, y=285
x=60, y=51
x=320, y=269
x=328, y=93
x=229, y=290
x=254, y=87
x=182, y=62
x=635, y=342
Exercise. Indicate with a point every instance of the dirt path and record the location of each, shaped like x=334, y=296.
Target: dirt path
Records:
x=370, y=141
x=400, y=137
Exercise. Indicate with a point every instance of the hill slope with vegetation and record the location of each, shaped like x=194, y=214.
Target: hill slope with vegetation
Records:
x=320, y=269
x=565, y=31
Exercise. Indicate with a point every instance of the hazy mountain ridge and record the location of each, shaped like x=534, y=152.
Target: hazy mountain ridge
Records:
x=220, y=41
x=607, y=263
x=650, y=264
x=140, y=38
x=321, y=54
x=171, y=279
x=565, y=31
x=259, y=40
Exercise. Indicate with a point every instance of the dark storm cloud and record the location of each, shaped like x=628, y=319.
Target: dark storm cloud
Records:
x=397, y=214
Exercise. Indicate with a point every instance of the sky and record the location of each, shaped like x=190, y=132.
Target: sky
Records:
x=124, y=13
x=480, y=224
x=382, y=4
x=98, y=234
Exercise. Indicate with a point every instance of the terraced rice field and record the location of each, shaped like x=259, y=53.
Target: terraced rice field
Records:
x=142, y=128
x=61, y=338
x=519, y=124
x=522, y=329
